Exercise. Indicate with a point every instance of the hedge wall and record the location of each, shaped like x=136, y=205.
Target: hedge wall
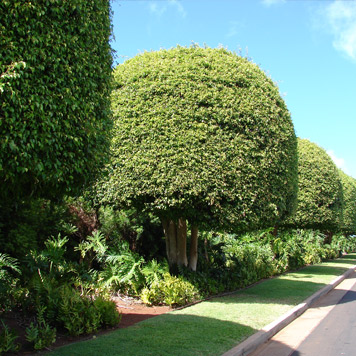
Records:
x=55, y=72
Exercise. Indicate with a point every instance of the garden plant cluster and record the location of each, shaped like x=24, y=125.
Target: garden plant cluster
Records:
x=173, y=177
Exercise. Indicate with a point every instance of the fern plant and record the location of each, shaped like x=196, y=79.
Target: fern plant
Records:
x=7, y=339
x=41, y=334
x=8, y=281
x=123, y=270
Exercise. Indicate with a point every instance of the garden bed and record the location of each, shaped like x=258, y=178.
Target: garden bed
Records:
x=132, y=311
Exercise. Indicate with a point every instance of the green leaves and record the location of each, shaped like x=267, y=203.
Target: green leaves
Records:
x=349, y=206
x=55, y=74
x=201, y=134
x=320, y=196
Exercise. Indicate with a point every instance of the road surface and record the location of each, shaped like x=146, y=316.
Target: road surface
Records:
x=328, y=328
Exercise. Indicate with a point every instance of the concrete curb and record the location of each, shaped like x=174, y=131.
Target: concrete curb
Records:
x=254, y=341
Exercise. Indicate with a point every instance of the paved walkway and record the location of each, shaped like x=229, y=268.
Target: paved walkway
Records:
x=328, y=328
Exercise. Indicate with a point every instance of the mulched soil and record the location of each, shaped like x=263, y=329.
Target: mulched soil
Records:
x=132, y=311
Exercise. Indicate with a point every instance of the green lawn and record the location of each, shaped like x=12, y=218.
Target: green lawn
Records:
x=213, y=327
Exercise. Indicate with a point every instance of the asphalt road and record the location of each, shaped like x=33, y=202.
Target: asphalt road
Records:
x=328, y=328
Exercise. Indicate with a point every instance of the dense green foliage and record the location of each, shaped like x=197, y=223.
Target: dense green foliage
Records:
x=349, y=208
x=215, y=326
x=55, y=73
x=203, y=135
x=199, y=134
x=68, y=289
x=26, y=225
x=8, y=339
x=233, y=262
x=320, y=198
x=170, y=290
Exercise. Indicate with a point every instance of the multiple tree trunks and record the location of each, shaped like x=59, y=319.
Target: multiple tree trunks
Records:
x=176, y=243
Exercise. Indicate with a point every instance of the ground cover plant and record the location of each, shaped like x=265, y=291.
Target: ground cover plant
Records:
x=212, y=327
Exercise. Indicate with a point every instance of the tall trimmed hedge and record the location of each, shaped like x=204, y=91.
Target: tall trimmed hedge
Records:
x=201, y=135
x=55, y=72
x=320, y=197
x=349, y=209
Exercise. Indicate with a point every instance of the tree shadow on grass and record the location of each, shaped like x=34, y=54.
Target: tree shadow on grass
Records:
x=177, y=334
x=169, y=334
x=347, y=259
x=283, y=290
x=320, y=270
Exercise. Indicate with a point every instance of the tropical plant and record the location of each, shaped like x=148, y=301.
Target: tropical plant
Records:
x=66, y=290
x=7, y=339
x=201, y=135
x=41, y=334
x=171, y=290
x=9, y=272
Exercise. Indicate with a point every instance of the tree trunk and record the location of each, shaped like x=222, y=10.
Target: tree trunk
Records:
x=206, y=249
x=275, y=231
x=193, y=256
x=182, y=243
x=176, y=242
x=328, y=237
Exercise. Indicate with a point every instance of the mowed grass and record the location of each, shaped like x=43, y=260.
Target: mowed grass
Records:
x=213, y=327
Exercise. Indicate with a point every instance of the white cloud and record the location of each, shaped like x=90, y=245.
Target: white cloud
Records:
x=179, y=7
x=157, y=9
x=340, y=162
x=340, y=18
x=160, y=8
x=233, y=29
x=272, y=2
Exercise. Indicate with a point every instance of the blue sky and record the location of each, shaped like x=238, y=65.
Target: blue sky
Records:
x=308, y=47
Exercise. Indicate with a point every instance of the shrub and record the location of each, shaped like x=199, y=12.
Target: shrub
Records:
x=56, y=284
x=174, y=291
x=109, y=315
x=85, y=313
x=248, y=262
x=7, y=339
x=344, y=244
x=41, y=334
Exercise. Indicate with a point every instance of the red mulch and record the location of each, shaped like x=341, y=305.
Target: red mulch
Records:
x=132, y=311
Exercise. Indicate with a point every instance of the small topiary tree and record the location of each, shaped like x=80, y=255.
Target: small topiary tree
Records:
x=320, y=199
x=55, y=73
x=201, y=135
x=349, y=211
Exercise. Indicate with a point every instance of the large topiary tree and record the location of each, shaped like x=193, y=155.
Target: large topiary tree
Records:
x=349, y=209
x=320, y=198
x=55, y=72
x=201, y=135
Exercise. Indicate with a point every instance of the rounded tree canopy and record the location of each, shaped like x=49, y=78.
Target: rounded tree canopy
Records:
x=349, y=211
x=320, y=199
x=55, y=74
x=204, y=135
